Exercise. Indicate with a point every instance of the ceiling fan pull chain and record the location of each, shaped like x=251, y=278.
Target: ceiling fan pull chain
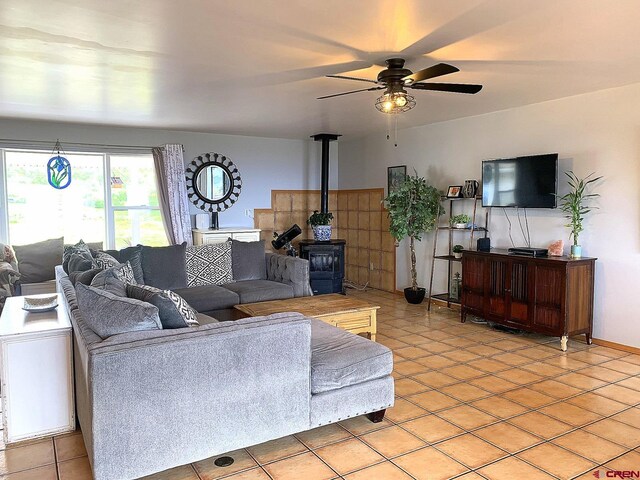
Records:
x=395, y=118
x=388, y=128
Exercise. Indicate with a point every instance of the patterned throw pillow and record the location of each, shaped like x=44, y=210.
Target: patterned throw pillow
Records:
x=124, y=272
x=104, y=260
x=184, y=309
x=209, y=264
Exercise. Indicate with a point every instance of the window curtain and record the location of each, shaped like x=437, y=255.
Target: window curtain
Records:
x=172, y=193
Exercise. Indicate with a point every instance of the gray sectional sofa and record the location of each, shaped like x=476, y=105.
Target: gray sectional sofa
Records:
x=257, y=275
x=151, y=400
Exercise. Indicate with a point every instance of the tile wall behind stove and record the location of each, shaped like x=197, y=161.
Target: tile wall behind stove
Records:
x=359, y=218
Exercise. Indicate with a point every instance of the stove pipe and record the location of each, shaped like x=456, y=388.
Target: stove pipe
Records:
x=325, y=138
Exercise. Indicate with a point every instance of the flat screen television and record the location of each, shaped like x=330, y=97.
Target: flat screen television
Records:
x=524, y=182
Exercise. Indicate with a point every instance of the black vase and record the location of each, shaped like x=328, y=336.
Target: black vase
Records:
x=414, y=296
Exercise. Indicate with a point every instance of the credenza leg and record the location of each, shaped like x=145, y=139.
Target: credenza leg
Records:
x=563, y=343
x=589, y=339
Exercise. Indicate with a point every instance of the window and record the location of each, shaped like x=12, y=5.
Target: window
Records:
x=134, y=201
x=112, y=198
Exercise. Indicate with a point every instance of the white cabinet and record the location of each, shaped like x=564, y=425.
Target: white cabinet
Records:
x=37, y=371
x=205, y=237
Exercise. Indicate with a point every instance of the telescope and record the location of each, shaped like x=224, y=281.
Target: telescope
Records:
x=284, y=240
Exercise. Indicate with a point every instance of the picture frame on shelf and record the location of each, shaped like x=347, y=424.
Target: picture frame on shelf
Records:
x=395, y=177
x=454, y=191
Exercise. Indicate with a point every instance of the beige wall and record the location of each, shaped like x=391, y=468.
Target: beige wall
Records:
x=597, y=132
x=264, y=163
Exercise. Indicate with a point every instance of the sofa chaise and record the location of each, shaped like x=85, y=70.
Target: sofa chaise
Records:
x=151, y=400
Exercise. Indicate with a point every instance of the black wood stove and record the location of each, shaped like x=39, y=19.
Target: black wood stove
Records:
x=326, y=265
x=326, y=259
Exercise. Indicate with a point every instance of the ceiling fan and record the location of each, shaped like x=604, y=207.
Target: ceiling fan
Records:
x=395, y=79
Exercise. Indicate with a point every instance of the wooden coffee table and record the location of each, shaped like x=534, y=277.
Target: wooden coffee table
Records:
x=350, y=314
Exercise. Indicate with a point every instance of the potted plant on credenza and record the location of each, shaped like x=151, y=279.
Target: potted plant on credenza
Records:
x=414, y=209
x=574, y=204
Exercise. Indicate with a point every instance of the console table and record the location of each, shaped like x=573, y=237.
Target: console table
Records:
x=547, y=295
x=208, y=236
x=37, y=371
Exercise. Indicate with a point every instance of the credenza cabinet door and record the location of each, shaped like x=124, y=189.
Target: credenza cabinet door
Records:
x=497, y=290
x=473, y=284
x=549, y=298
x=519, y=293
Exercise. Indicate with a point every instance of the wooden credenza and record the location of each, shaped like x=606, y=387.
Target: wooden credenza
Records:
x=547, y=295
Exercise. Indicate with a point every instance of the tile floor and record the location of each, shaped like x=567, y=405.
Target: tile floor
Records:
x=472, y=403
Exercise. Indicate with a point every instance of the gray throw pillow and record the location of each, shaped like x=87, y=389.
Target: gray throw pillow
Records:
x=132, y=255
x=79, y=262
x=248, y=260
x=114, y=279
x=107, y=314
x=209, y=264
x=37, y=261
x=83, y=277
x=91, y=245
x=165, y=267
x=80, y=251
x=173, y=314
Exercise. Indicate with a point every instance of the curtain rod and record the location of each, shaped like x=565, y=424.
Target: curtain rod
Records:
x=32, y=143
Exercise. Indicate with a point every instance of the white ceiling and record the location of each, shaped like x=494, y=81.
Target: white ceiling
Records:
x=255, y=67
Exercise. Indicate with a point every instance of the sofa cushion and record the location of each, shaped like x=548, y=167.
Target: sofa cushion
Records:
x=205, y=319
x=251, y=291
x=248, y=260
x=108, y=314
x=165, y=267
x=133, y=255
x=340, y=358
x=209, y=264
x=208, y=297
x=37, y=261
x=173, y=310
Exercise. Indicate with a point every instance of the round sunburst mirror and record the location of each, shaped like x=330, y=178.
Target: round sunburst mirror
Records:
x=213, y=182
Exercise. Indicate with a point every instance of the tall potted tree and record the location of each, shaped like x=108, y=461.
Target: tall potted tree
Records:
x=414, y=208
x=574, y=204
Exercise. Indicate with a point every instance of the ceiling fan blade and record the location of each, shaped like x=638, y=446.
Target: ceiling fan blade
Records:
x=431, y=72
x=351, y=78
x=353, y=91
x=448, y=87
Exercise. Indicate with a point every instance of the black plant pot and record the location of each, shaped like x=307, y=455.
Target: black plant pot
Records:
x=414, y=296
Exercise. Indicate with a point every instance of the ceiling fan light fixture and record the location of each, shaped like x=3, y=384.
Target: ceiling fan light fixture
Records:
x=395, y=102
